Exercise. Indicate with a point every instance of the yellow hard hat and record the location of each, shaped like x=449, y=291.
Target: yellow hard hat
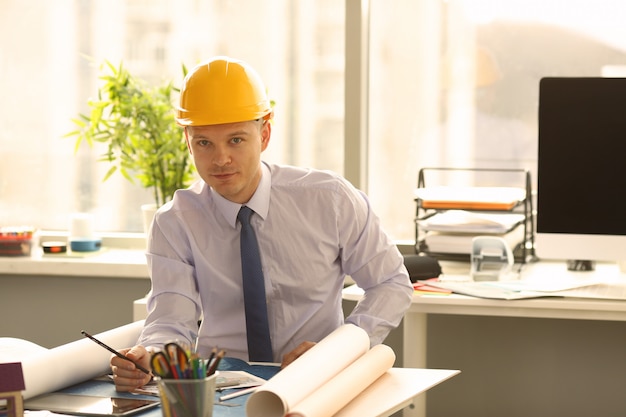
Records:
x=222, y=90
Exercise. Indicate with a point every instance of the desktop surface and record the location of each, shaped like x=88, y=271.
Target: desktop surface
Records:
x=579, y=304
x=393, y=391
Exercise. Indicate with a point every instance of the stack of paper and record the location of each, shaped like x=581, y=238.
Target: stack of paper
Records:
x=461, y=243
x=471, y=198
x=461, y=221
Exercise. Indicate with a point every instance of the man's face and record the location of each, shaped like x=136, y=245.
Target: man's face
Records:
x=228, y=156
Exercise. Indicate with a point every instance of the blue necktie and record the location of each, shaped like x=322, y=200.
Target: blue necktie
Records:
x=257, y=327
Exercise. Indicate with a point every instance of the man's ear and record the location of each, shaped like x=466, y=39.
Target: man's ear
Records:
x=266, y=133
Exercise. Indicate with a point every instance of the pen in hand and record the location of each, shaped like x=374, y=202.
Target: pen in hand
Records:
x=115, y=352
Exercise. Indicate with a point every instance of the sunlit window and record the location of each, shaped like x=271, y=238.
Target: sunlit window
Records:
x=455, y=84
x=50, y=55
x=451, y=84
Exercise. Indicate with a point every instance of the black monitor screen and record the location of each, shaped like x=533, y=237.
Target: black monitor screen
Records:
x=581, y=181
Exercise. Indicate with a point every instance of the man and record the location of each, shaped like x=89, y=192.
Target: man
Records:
x=313, y=228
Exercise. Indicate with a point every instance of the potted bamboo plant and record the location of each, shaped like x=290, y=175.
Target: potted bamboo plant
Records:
x=137, y=124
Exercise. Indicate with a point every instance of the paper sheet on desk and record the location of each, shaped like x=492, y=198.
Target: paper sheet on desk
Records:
x=485, y=290
x=517, y=290
x=604, y=291
x=590, y=288
x=546, y=285
x=74, y=362
x=325, y=378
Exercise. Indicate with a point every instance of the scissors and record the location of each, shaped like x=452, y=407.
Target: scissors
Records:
x=171, y=362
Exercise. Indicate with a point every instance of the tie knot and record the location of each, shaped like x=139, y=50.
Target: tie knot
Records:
x=244, y=215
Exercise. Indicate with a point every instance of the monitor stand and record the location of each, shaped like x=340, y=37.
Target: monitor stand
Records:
x=580, y=265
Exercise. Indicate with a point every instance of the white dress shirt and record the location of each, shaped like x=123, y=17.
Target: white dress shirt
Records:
x=313, y=229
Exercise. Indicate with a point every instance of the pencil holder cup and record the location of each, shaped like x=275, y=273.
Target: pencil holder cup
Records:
x=187, y=397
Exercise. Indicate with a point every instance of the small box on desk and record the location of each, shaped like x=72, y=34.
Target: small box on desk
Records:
x=16, y=240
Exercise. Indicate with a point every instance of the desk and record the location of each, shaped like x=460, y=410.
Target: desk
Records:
x=390, y=393
x=73, y=367
x=603, y=321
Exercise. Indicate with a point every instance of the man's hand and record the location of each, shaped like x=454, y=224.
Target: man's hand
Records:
x=126, y=376
x=296, y=353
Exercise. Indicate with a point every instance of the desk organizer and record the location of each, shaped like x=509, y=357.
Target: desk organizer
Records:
x=509, y=207
x=16, y=241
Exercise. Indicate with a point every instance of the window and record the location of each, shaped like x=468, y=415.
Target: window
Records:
x=451, y=83
x=455, y=84
x=46, y=79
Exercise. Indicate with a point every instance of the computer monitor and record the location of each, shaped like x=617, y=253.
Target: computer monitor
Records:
x=581, y=175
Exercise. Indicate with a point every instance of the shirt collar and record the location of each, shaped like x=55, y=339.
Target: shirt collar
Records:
x=259, y=202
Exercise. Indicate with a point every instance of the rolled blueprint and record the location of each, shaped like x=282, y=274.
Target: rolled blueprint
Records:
x=332, y=373
x=52, y=369
x=331, y=397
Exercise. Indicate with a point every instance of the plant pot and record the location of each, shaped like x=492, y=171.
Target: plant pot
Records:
x=147, y=212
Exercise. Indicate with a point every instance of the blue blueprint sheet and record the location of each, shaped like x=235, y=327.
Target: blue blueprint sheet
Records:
x=105, y=388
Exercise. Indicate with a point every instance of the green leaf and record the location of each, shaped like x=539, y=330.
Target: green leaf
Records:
x=136, y=122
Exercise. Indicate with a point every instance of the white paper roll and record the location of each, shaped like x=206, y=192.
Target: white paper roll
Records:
x=312, y=370
x=339, y=391
x=75, y=362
